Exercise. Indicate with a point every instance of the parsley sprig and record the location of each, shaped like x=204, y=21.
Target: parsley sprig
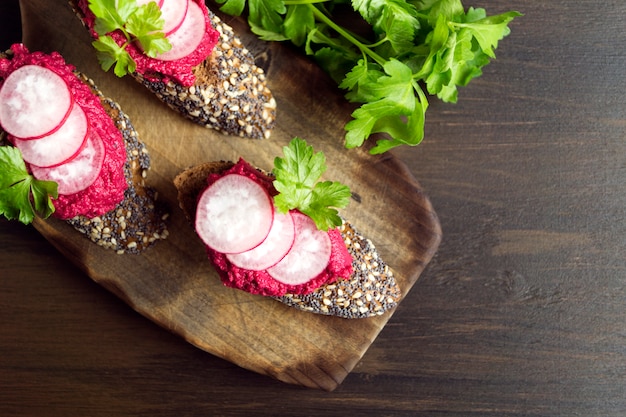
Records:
x=408, y=44
x=139, y=24
x=23, y=197
x=297, y=181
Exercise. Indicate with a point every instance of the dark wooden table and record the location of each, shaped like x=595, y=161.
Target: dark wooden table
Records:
x=522, y=312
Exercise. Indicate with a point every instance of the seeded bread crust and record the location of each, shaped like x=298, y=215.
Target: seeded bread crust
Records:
x=370, y=291
x=137, y=222
x=230, y=94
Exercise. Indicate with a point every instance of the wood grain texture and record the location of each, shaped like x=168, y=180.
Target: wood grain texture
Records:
x=174, y=284
x=521, y=313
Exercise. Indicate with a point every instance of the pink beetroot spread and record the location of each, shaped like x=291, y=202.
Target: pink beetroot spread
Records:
x=260, y=282
x=180, y=71
x=108, y=189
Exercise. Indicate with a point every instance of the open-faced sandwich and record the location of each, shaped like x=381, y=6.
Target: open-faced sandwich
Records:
x=187, y=57
x=279, y=234
x=70, y=152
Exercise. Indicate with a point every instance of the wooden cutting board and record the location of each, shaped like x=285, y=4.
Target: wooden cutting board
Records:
x=173, y=284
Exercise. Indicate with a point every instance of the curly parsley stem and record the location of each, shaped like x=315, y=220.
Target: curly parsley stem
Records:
x=340, y=30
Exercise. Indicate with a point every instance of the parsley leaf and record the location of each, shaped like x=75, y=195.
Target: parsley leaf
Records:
x=145, y=24
x=298, y=23
x=488, y=31
x=407, y=44
x=110, y=15
x=22, y=197
x=109, y=53
x=139, y=24
x=297, y=181
x=391, y=106
x=232, y=7
x=394, y=21
x=265, y=16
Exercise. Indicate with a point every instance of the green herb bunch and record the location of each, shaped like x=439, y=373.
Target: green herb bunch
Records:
x=142, y=25
x=408, y=44
x=298, y=175
x=22, y=197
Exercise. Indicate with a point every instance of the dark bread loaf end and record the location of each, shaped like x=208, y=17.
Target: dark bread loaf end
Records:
x=371, y=290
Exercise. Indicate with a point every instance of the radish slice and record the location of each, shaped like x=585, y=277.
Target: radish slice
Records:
x=34, y=101
x=308, y=257
x=173, y=13
x=272, y=250
x=60, y=146
x=80, y=172
x=234, y=214
x=188, y=36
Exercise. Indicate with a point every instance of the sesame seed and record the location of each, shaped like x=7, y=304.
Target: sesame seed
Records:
x=121, y=229
x=356, y=297
x=206, y=104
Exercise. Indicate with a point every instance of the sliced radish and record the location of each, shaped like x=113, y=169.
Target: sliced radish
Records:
x=234, y=214
x=60, y=146
x=34, y=101
x=173, y=13
x=308, y=257
x=272, y=250
x=80, y=172
x=188, y=36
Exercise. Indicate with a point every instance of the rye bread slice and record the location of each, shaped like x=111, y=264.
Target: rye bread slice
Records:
x=370, y=291
x=138, y=221
x=230, y=94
